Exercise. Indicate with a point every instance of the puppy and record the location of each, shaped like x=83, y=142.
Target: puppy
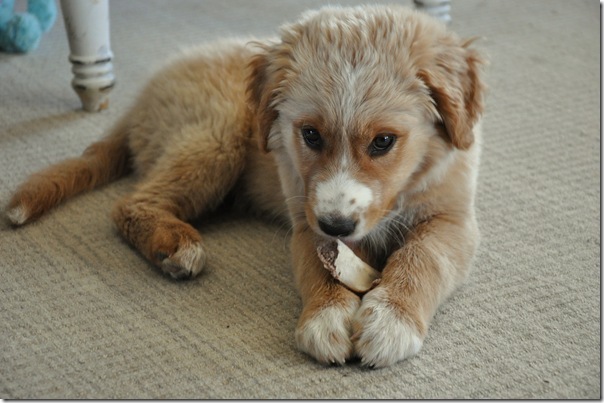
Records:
x=363, y=122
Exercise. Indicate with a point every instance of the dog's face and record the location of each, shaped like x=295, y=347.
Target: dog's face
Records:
x=359, y=104
x=351, y=146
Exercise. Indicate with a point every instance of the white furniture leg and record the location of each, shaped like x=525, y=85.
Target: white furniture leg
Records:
x=440, y=9
x=87, y=25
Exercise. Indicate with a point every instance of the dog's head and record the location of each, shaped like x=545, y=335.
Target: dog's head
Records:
x=354, y=103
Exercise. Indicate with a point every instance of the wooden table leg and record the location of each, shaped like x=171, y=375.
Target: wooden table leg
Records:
x=87, y=25
x=440, y=9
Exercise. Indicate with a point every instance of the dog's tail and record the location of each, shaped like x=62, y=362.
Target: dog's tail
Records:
x=101, y=163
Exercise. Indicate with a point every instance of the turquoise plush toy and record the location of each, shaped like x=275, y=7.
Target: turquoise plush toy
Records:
x=21, y=32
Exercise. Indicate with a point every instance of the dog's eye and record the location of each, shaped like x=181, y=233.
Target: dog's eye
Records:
x=312, y=137
x=381, y=144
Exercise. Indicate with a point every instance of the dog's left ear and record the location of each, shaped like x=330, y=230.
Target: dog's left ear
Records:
x=455, y=83
x=261, y=93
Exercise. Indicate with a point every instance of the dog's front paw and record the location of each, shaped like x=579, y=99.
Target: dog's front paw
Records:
x=383, y=334
x=325, y=333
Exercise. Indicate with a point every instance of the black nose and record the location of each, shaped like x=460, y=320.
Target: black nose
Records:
x=337, y=226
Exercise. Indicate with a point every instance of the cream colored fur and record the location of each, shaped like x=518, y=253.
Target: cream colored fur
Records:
x=230, y=117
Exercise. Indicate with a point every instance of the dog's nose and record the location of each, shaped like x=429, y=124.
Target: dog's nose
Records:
x=337, y=226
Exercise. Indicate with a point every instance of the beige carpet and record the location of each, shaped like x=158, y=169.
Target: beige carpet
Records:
x=83, y=316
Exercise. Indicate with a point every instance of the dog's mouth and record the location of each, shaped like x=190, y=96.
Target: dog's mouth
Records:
x=359, y=228
x=350, y=241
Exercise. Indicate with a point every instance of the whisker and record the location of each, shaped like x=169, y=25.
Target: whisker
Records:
x=391, y=231
x=281, y=226
x=296, y=197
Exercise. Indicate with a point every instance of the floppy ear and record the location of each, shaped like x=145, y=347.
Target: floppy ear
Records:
x=261, y=94
x=454, y=80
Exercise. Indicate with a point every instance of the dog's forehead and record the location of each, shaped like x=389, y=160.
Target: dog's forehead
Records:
x=354, y=97
x=345, y=65
x=353, y=67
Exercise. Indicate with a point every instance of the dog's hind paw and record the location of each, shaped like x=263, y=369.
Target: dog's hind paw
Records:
x=187, y=262
x=17, y=215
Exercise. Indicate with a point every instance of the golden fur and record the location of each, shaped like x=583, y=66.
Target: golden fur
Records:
x=363, y=122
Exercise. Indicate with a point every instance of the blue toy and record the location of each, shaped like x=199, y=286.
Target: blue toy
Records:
x=21, y=32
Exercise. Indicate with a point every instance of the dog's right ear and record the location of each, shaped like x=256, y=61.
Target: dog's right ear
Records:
x=261, y=96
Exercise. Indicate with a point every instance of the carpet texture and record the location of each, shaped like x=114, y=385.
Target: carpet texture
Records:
x=82, y=315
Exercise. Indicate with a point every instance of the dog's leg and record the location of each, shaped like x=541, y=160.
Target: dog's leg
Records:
x=325, y=325
x=185, y=183
x=393, y=318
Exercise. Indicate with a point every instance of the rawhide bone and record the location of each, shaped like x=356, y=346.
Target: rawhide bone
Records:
x=346, y=267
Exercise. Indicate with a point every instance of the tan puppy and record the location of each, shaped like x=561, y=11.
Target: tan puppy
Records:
x=367, y=121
